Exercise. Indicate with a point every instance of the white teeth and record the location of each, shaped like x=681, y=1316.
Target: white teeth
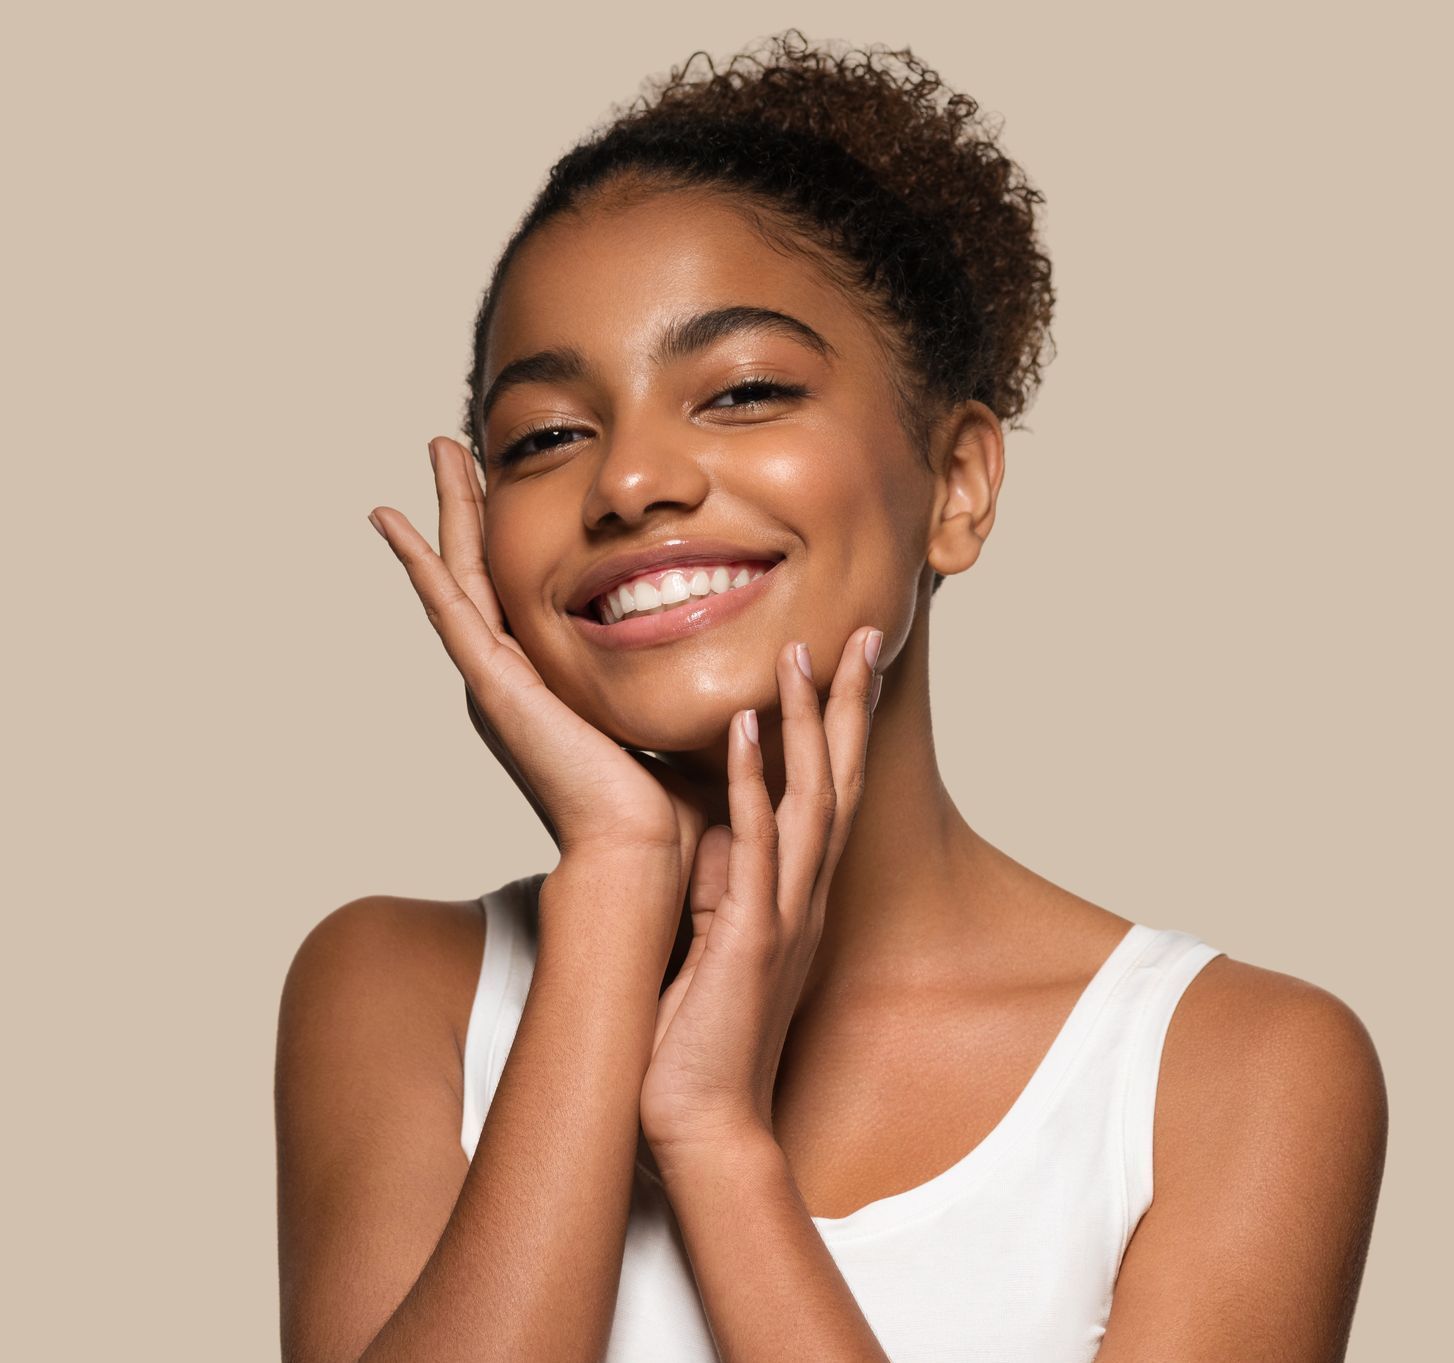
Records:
x=675, y=586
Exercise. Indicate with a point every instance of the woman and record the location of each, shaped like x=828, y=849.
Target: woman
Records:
x=782, y=1059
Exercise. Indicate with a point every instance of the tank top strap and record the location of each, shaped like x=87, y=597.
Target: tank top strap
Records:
x=1151, y=990
x=511, y=937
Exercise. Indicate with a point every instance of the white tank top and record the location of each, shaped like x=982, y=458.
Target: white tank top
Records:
x=1008, y=1256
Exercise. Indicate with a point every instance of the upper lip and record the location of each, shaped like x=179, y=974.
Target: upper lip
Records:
x=615, y=568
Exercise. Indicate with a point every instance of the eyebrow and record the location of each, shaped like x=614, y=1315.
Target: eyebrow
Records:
x=686, y=336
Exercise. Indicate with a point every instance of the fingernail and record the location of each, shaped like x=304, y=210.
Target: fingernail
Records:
x=805, y=663
x=373, y=521
x=433, y=459
x=878, y=685
x=749, y=725
x=871, y=645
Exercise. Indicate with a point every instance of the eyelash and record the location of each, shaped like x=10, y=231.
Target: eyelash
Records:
x=775, y=390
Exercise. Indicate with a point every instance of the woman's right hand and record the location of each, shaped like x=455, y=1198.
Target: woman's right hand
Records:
x=592, y=794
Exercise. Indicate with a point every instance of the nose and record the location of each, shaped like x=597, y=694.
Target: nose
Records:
x=643, y=465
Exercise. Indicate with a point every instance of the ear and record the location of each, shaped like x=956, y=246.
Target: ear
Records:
x=969, y=463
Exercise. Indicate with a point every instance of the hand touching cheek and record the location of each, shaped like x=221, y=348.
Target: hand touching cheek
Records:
x=758, y=893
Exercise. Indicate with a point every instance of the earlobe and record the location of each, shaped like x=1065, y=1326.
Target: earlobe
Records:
x=972, y=466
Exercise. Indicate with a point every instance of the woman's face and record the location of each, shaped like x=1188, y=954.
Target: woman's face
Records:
x=612, y=336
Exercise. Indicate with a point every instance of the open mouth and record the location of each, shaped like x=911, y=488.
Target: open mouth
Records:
x=670, y=589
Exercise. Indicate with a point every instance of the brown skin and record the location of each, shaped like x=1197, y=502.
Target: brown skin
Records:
x=940, y=956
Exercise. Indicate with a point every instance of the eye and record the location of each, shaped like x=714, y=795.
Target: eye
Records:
x=521, y=447
x=758, y=392
x=752, y=393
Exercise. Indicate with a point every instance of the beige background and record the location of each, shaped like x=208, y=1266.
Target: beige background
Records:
x=1200, y=676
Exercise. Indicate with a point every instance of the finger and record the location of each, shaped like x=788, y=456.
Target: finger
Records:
x=488, y=667
x=752, y=862
x=705, y=892
x=477, y=489
x=709, y=869
x=846, y=721
x=461, y=526
x=805, y=814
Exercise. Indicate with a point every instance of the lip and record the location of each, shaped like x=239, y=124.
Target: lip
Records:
x=641, y=631
x=617, y=568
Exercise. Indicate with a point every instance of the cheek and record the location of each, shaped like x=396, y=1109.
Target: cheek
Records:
x=871, y=578
x=870, y=533
x=868, y=553
x=517, y=562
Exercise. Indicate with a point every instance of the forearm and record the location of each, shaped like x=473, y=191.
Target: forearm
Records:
x=528, y=1266
x=770, y=1288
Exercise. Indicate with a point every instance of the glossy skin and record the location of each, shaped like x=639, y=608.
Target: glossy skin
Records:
x=829, y=481
x=1271, y=1116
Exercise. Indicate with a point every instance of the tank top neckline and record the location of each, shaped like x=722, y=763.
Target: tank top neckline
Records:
x=925, y=1199
x=901, y=1209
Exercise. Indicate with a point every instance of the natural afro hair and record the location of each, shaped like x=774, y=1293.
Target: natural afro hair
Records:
x=864, y=159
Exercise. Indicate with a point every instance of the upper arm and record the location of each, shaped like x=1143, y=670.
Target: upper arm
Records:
x=1269, y=1136
x=368, y=1111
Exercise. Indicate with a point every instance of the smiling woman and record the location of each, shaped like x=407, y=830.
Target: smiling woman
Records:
x=782, y=1059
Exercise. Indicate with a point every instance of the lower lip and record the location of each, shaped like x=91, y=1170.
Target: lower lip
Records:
x=690, y=617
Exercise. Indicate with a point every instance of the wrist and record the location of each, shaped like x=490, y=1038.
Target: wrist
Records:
x=617, y=904
x=653, y=867
x=642, y=884
x=742, y=1152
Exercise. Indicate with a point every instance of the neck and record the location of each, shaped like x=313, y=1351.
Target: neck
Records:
x=908, y=872
x=913, y=872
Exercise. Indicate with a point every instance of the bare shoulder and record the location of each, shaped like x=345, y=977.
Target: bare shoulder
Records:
x=1270, y=1129
x=384, y=965
x=423, y=929
x=1248, y=1039
x=368, y=1094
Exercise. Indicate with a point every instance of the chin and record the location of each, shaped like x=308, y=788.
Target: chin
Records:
x=702, y=730
x=682, y=708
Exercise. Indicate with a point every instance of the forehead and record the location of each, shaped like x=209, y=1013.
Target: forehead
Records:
x=609, y=278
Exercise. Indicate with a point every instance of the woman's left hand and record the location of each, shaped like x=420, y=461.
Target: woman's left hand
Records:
x=758, y=894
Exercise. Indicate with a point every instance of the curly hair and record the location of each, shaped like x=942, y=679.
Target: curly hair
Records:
x=864, y=160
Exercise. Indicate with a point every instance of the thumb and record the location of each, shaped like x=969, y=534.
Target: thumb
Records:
x=709, y=869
